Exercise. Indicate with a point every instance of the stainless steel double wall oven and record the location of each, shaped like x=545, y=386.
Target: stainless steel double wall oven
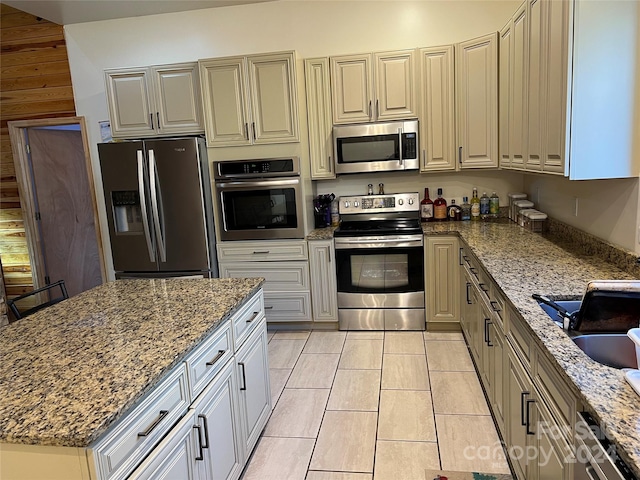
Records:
x=380, y=263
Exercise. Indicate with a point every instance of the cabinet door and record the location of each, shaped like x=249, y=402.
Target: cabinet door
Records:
x=323, y=281
x=518, y=114
x=351, y=88
x=178, y=106
x=129, y=101
x=274, y=105
x=518, y=392
x=535, y=85
x=218, y=417
x=556, y=26
x=316, y=72
x=554, y=460
x=496, y=373
x=485, y=346
x=473, y=319
x=224, y=99
x=395, y=91
x=252, y=368
x=465, y=303
x=437, y=120
x=506, y=45
x=477, y=99
x=443, y=300
x=177, y=456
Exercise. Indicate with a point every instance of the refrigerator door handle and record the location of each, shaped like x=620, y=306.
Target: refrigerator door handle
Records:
x=154, y=206
x=143, y=207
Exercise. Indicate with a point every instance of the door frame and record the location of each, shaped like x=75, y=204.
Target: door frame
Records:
x=25, y=189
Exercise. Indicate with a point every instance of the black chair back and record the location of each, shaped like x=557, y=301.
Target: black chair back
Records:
x=49, y=290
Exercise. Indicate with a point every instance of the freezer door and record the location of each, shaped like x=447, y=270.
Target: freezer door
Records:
x=126, y=194
x=177, y=204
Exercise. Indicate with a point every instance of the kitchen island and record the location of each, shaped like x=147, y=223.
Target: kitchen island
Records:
x=69, y=373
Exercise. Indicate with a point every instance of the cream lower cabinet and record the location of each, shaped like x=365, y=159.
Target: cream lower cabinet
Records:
x=285, y=266
x=318, y=88
x=442, y=279
x=324, y=284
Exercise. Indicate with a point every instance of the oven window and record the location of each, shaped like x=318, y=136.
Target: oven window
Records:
x=260, y=209
x=396, y=270
x=367, y=149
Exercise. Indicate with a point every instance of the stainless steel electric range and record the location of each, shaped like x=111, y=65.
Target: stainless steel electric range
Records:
x=380, y=263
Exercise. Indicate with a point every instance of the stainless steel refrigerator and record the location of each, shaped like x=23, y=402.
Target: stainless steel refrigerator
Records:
x=159, y=207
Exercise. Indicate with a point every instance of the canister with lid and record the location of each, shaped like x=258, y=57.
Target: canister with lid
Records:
x=534, y=220
x=522, y=213
x=513, y=197
x=520, y=205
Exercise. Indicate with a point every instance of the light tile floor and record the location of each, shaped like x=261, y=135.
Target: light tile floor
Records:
x=373, y=406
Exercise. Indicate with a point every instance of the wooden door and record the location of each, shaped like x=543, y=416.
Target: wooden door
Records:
x=64, y=199
x=177, y=98
x=395, y=85
x=351, y=88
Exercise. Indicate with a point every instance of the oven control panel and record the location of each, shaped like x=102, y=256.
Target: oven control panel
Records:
x=397, y=202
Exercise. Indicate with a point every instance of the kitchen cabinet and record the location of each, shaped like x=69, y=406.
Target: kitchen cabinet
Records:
x=476, y=63
x=285, y=266
x=153, y=101
x=437, y=113
x=324, y=285
x=250, y=100
x=504, y=78
x=318, y=88
x=442, y=278
x=373, y=87
x=518, y=100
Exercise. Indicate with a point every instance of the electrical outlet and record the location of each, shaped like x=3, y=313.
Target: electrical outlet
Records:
x=575, y=213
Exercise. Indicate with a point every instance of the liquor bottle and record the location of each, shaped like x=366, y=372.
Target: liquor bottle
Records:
x=466, y=209
x=439, y=207
x=475, y=205
x=426, y=207
x=494, y=205
x=454, y=212
x=484, y=206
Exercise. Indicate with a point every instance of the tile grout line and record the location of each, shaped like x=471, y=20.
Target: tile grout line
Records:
x=433, y=405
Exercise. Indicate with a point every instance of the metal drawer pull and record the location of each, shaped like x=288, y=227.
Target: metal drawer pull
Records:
x=270, y=307
x=523, y=395
x=495, y=306
x=206, y=430
x=487, y=333
x=201, y=456
x=253, y=317
x=483, y=287
x=257, y=252
x=528, y=419
x=244, y=378
x=468, y=299
x=163, y=413
x=216, y=358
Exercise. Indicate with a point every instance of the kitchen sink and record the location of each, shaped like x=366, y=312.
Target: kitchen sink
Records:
x=615, y=350
x=570, y=305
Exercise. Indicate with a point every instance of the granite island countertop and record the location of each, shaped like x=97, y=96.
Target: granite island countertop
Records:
x=70, y=371
x=522, y=263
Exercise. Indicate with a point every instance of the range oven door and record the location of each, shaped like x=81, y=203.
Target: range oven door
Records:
x=260, y=209
x=380, y=283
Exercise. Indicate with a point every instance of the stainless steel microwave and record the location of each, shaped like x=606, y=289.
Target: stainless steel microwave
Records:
x=376, y=147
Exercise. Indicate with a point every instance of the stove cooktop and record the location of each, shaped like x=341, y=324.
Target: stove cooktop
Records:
x=378, y=227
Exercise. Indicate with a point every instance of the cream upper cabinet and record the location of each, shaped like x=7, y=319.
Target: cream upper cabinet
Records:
x=518, y=103
x=373, y=87
x=154, y=101
x=250, y=99
x=504, y=74
x=477, y=102
x=437, y=112
x=318, y=88
x=535, y=82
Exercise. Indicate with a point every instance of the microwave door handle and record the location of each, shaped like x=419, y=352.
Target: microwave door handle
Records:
x=400, y=146
x=143, y=207
x=153, y=182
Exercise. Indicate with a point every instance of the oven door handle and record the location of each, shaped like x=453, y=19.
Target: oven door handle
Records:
x=383, y=243
x=258, y=183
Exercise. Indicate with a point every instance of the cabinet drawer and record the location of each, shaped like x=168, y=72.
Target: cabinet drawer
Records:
x=287, y=307
x=267, y=251
x=245, y=320
x=209, y=358
x=132, y=438
x=278, y=275
x=519, y=338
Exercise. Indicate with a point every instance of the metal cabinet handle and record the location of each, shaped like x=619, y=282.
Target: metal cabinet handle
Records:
x=216, y=358
x=483, y=287
x=206, y=430
x=151, y=120
x=494, y=305
x=487, y=333
x=143, y=207
x=377, y=109
x=253, y=317
x=270, y=307
x=369, y=109
x=259, y=252
x=253, y=129
x=154, y=424
x=246, y=131
x=244, y=378
x=528, y=418
x=468, y=299
x=158, y=119
x=460, y=155
x=523, y=395
x=200, y=448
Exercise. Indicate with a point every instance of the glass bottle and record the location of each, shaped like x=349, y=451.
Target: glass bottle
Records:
x=370, y=189
x=465, y=214
x=494, y=205
x=439, y=207
x=484, y=205
x=381, y=189
x=454, y=212
x=475, y=205
x=426, y=207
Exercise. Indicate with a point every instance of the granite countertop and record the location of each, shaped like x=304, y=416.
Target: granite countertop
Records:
x=69, y=371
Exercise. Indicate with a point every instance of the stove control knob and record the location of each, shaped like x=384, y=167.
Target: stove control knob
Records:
x=411, y=201
x=400, y=201
x=346, y=204
x=356, y=204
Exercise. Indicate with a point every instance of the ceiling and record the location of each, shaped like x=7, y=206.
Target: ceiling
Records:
x=64, y=12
